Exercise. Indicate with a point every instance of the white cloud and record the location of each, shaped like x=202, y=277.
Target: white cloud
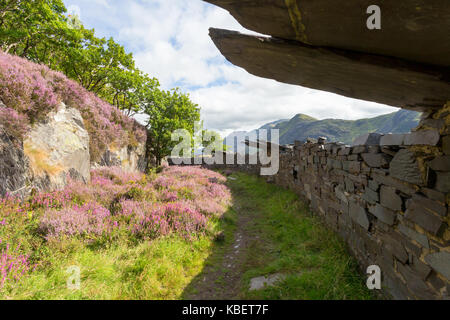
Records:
x=75, y=10
x=169, y=39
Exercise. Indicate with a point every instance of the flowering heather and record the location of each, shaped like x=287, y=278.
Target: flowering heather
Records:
x=89, y=219
x=33, y=90
x=13, y=122
x=169, y=218
x=13, y=265
x=114, y=204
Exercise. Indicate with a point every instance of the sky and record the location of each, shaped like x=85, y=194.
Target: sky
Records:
x=169, y=40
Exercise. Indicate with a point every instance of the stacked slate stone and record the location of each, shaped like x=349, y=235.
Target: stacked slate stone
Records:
x=388, y=197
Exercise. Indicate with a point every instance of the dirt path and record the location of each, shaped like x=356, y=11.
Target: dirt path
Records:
x=274, y=245
x=222, y=279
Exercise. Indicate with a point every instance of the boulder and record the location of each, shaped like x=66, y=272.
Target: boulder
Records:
x=392, y=140
x=425, y=218
x=368, y=139
x=359, y=215
x=14, y=166
x=440, y=262
x=128, y=158
x=390, y=199
x=342, y=24
x=404, y=167
x=58, y=148
x=356, y=75
x=423, y=137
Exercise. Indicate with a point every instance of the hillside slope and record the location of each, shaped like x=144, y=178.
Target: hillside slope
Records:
x=52, y=129
x=303, y=126
x=30, y=91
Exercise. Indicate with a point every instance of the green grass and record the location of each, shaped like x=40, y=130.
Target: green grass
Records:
x=151, y=270
x=287, y=239
x=294, y=242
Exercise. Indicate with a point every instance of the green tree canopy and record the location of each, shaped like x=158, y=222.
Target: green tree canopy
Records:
x=43, y=31
x=168, y=111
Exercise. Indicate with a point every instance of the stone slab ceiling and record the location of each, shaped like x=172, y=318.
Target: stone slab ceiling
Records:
x=326, y=45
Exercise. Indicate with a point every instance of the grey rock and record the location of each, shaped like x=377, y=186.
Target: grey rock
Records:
x=429, y=205
x=261, y=282
x=404, y=167
x=441, y=163
x=423, y=137
x=392, y=140
x=446, y=144
x=275, y=18
x=128, y=158
x=368, y=139
x=443, y=182
x=390, y=199
x=359, y=215
x=385, y=215
x=376, y=160
x=414, y=235
x=415, y=284
x=381, y=178
x=371, y=196
x=354, y=167
x=375, y=186
x=433, y=123
x=440, y=262
x=14, y=166
x=57, y=148
x=393, y=244
x=359, y=149
x=427, y=220
x=349, y=73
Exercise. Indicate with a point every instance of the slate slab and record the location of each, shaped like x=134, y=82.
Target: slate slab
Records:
x=424, y=137
x=404, y=167
x=440, y=262
x=368, y=139
x=392, y=140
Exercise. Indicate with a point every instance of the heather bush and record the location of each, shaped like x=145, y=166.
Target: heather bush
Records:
x=88, y=220
x=13, y=123
x=13, y=264
x=33, y=90
x=115, y=206
x=169, y=218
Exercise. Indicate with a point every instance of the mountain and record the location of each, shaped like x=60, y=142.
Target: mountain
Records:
x=303, y=126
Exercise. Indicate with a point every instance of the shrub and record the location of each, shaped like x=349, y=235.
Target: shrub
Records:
x=89, y=219
x=13, y=123
x=33, y=90
x=115, y=206
x=13, y=264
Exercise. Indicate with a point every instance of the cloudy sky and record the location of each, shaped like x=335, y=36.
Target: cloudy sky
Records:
x=169, y=40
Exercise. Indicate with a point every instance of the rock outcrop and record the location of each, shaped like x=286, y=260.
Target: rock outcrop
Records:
x=130, y=158
x=352, y=74
x=326, y=45
x=58, y=148
x=414, y=30
x=55, y=150
x=14, y=166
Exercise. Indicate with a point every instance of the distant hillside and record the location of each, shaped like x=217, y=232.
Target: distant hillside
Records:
x=302, y=127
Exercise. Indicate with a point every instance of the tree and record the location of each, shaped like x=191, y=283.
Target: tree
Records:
x=167, y=112
x=35, y=29
x=128, y=90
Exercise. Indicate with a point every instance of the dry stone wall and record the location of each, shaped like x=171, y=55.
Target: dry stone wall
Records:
x=387, y=197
